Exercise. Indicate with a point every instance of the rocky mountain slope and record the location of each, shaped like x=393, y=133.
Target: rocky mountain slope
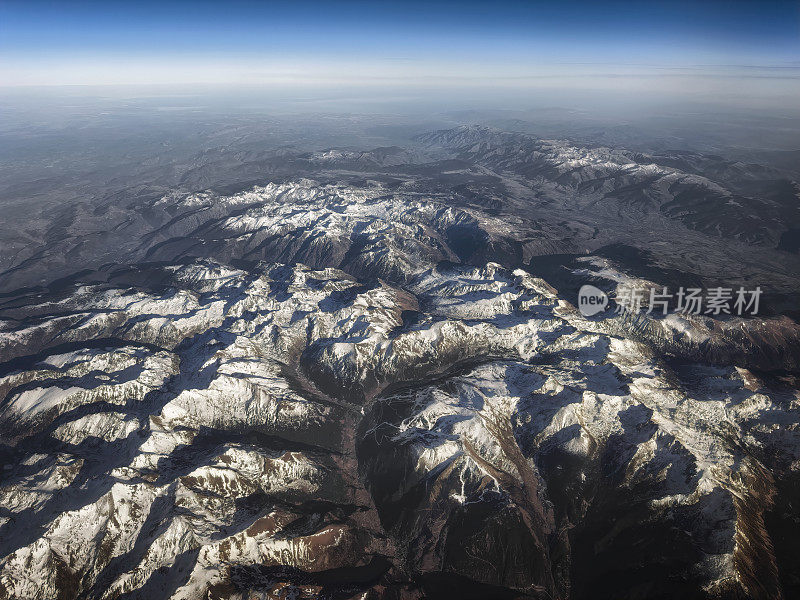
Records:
x=292, y=428
x=379, y=387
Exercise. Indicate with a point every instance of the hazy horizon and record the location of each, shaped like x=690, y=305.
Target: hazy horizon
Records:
x=711, y=51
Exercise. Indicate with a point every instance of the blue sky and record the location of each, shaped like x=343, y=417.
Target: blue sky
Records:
x=158, y=42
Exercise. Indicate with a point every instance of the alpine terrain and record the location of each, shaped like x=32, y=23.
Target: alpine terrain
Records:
x=343, y=373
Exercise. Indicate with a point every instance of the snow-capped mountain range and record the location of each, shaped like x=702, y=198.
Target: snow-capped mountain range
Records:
x=369, y=381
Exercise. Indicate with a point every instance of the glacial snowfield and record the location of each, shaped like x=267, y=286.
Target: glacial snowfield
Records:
x=320, y=390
